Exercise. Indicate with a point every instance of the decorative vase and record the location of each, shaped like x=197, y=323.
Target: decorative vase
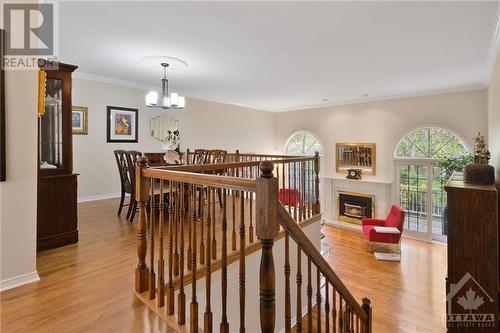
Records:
x=483, y=174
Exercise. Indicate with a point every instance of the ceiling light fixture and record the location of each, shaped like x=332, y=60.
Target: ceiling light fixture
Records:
x=168, y=100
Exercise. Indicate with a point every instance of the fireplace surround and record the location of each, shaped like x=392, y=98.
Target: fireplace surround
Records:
x=352, y=207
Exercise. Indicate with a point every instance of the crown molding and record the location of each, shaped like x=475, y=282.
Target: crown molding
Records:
x=479, y=86
x=494, y=52
x=129, y=84
x=109, y=80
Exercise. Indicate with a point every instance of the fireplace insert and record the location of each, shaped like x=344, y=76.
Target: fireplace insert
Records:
x=352, y=207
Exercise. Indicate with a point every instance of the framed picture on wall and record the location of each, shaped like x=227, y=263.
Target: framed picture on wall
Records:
x=2, y=111
x=122, y=124
x=79, y=120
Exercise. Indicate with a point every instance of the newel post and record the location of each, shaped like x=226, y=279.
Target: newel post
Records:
x=367, y=327
x=267, y=229
x=141, y=195
x=316, y=206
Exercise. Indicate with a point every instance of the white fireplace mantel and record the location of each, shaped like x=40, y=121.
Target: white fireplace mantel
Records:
x=381, y=189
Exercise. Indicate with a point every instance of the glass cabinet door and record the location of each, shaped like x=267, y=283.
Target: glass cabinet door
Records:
x=50, y=127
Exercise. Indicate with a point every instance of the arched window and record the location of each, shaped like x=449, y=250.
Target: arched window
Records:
x=431, y=143
x=421, y=179
x=303, y=143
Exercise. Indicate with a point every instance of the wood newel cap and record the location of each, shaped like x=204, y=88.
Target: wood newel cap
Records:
x=366, y=303
x=266, y=169
x=142, y=161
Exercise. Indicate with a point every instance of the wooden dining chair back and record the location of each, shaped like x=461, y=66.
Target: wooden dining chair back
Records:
x=200, y=156
x=125, y=181
x=216, y=156
x=132, y=156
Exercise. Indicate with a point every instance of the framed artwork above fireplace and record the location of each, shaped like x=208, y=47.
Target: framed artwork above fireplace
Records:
x=360, y=156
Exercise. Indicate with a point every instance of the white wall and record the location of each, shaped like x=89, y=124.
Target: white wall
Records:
x=18, y=193
x=383, y=123
x=494, y=118
x=202, y=125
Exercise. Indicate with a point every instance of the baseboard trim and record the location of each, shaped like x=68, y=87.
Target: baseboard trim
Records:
x=99, y=197
x=18, y=281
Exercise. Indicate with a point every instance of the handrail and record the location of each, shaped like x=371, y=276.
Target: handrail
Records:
x=233, y=183
x=232, y=165
x=287, y=222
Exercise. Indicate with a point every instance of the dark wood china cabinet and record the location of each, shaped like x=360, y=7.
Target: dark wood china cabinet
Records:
x=57, y=184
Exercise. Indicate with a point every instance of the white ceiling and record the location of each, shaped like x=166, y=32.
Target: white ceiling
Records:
x=286, y=55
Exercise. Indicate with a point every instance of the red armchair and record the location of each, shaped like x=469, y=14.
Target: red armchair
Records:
x=395, y=219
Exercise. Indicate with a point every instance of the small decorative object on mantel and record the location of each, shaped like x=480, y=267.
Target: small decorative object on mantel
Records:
x=479, y=171
x=164, y=128
x=353, y=174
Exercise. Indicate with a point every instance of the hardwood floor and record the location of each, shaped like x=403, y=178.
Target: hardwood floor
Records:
x=407, y=296
x=89, y=287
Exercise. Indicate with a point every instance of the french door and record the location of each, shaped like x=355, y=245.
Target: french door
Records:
x=421, y=194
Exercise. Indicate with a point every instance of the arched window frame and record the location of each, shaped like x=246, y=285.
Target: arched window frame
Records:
x=463, y=141
x=290, y=137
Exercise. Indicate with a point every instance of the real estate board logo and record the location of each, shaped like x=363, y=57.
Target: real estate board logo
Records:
x=466, y=301
x=29, y=34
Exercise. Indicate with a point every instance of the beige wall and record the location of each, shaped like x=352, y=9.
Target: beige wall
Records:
x=18, y=193
x=494, y=118
x=384, y=123
x=202, y=125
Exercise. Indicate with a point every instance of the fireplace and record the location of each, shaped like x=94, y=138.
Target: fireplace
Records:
x=352, y=207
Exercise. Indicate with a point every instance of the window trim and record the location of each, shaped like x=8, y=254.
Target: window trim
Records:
x=464, y=142
x=288, y=140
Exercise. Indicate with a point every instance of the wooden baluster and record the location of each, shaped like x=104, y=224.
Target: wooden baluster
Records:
x=161, y=263
x=287, y=189
x=298, y=326
x=267, y=228
x=295, y=187
x=224, y=325
x=142, y=189
x=317, y=208
x=309, y=188
x=288, y=315
x=202, y=210
x=334, y=310
x=193, y=309
x=250, y=197
x=170, y=285
x=233, y=197
x=176, y=230
x=152, y=276
x=302, y=191
x=181, y=297
x=309, y=291
x=190, y=231
x=242, y=263
x=318, y=300
x=214, y=241
x=341, y=315
x=367, y=326
x=327, y=306
x=207, y=322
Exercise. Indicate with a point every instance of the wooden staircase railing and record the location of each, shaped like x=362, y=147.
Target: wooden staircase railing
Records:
x=178, y=206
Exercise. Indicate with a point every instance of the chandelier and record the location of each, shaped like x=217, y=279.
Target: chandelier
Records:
x=169, y=100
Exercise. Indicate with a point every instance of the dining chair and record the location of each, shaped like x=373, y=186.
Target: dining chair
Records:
x=125, y=182
x=132, y=156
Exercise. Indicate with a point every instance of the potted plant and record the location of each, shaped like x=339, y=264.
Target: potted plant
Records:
x=449, y=165
x=479, y=171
